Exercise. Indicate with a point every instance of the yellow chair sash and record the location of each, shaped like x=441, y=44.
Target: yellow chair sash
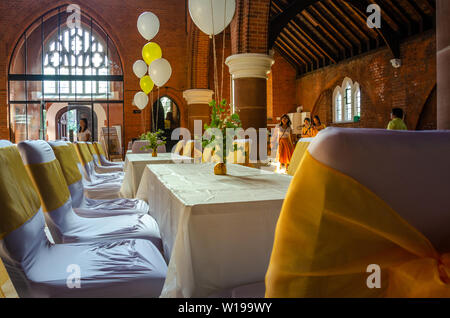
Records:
x=241, y=155
x=179, y=148
x=297, y=157
x=94, y=152
x=4, y=277
x=18, y=198
x=331, y=228
x=74, y=152
x=68, y=163
x=99, y=149
x=52, y=187
x=83, y=153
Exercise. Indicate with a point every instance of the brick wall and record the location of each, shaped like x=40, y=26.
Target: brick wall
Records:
x=383, y=87
x=249, y=28
x=118, y=18
x=283, y=86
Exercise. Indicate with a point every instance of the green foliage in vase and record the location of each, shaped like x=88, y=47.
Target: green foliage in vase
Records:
x=223, y=120
x=155, y=139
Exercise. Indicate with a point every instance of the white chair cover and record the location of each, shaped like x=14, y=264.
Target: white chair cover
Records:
x=99, y=186
x=409, y=170
x=125, y=268
x=104, y=161
x=99, y=167
x=86, y=207
x=138, y=146
x=64, y=224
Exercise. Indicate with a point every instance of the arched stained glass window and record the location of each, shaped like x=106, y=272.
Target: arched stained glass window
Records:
x=75, y=52
x=58, y=65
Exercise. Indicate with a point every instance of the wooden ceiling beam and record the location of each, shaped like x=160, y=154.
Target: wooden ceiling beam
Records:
x=326, y=25
x=341, y=25
x=388, y=34
x=299, y=27
x=279, y=22
x=295, y=49
x=349, y=20
x=291, y=60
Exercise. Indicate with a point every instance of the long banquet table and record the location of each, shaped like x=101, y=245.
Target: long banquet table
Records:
x=134, y=166
x=217, y=231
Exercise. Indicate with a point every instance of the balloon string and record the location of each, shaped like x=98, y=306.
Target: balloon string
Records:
x=153, y=119
x=223, y=49
x=157, y=112
x=216, y=79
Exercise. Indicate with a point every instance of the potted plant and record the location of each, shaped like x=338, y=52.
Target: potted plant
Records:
x=221, y=120
x=155, y=139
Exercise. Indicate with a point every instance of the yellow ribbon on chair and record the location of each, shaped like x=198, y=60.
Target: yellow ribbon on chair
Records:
x=49, y=179
x=94, y=152
x=179, y=148
x=300, y=150
x=68, y=162
x=98, y=147
x=241, y=155
x=18, y=197
x=74, y=151
x=332, y=230
x=83, y=153
x=4, y=277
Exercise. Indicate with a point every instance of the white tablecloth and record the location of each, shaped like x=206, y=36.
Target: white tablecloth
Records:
x=217, y=231
x=134, y=168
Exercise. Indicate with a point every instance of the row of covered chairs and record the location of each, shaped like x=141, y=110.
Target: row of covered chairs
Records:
x=105, y=248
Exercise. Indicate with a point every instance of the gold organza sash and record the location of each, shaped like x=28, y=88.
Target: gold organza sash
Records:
x=75, y=154
x=331, y=228
x=99, y=149
x=18, y=198
x=52, y=187
x=68, y=163
x=179, y=148
x=297, y=157
x=93, y=152
x=3, y=278
x=84, y=153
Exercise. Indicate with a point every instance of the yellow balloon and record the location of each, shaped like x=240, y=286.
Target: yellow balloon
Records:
x=150, y=52
x=146, y=84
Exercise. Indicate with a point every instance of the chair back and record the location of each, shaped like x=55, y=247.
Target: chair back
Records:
x=48, y=177
x=138, y=146
x=21, y=220
x=70, y=166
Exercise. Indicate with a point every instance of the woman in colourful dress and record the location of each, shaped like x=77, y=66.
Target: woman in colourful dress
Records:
x=285, y=144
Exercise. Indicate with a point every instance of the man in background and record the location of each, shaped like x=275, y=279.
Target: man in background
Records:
x=397, y=122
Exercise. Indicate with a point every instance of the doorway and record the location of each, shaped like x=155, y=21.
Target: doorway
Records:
x=67, y=122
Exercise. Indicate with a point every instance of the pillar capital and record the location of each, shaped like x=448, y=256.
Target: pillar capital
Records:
x=198, y=96
x=249, y=65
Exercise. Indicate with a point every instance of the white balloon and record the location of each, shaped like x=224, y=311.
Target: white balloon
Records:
x=141, y=100
x=200, y=11
x=148, y=25
x=160, y=71
x=140, y=68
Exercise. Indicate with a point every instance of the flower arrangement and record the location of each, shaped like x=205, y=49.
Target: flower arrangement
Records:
x=223, y=121
x=155, y=139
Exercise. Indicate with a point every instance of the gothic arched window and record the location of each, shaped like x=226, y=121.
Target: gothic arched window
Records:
x=346, y=102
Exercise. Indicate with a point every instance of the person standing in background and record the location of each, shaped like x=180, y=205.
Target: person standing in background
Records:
x=284, y=137
x=83, y=133
x=397, y=117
